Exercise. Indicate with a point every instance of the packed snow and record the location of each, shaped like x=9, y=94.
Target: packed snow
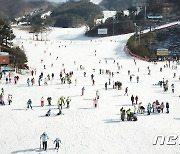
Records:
x=82, y=128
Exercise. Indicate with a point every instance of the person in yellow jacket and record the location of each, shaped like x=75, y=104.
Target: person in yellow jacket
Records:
x=62, y=99
x=59, y=104
x=68, y=100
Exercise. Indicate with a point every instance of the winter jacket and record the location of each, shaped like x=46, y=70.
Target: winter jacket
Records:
x=167, y=105
x=68, y=100
x=59, y=102
x=29, y=102
x=57, y=140
x=149, y=108
x=44, y=137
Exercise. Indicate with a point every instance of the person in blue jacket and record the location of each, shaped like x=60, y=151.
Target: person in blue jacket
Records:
x=149, y=109
x=44, y=137
x=57, y=141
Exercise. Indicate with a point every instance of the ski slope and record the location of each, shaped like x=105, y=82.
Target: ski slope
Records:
x=82, y=128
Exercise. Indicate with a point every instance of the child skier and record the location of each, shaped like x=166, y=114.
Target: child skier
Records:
x=29, y=104
x=57, y=141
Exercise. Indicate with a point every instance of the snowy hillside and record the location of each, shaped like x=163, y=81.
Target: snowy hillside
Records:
x=96, y=1
x=82, y=128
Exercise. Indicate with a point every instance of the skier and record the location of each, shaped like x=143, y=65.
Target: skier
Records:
x=154, y=106
x=130, y=78
x=29, y=104
x=57, y=141
x=39, y=81
x=44, y=137
x=136, y=98
x=48, y=113
x=95, y=101
x=92, y=76
x=2, y=91
x=172, y=87
x=68, y=100
x=162, y=106
x=132, y=99
x=42, y=101
x=49, y=100
x=149, y=109
x=28, y=82
x=32, y=72
x=9, y=99
x=167, y=107
x=128, y=114
x=106, y=86
x=126, y=91
x=83, y=89
x=97, y=94
x=62, y=99
x=59, y=104
x=123, y=115
x=137, y=78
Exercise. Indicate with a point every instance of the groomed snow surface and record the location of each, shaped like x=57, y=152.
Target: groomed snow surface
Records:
x=82, y=128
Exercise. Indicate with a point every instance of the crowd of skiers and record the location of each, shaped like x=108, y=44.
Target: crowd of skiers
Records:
x=60, y=103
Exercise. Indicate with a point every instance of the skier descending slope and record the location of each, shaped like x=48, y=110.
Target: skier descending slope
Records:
x=44, y=137
x=29, y=104
x=57, y=141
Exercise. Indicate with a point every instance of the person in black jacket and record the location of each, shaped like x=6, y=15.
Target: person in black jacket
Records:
x=167, y=107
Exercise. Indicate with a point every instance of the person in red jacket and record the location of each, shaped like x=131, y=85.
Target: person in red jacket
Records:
x=136, y=98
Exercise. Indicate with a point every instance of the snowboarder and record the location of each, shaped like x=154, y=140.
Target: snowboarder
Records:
x=44, y=137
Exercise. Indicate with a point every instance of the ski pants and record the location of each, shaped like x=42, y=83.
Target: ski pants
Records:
x=45, y=145
x=57, y=145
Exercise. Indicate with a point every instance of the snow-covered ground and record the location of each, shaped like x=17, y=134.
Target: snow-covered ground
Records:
x=82, y=128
